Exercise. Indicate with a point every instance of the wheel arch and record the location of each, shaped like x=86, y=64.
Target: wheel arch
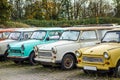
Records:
x=118, y=61
x=71, y=53
x=31, y=52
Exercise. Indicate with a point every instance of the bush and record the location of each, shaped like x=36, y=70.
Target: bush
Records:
x=15, y=25
x=67, y=23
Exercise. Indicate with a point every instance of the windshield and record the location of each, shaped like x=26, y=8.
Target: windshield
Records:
x=112, y=37
x=70, y=35
x=14, y=35
x=38, y=35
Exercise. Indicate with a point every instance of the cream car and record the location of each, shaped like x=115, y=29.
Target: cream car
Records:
x=62, y=52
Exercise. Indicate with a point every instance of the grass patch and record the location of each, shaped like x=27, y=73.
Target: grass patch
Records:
x=12, y=24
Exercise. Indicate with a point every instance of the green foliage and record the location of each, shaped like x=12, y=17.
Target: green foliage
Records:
x=5, y=10
x=67, y=23
x=15, y=24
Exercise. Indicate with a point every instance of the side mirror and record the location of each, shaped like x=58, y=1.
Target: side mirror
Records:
x=47, y=39
x=101, y=39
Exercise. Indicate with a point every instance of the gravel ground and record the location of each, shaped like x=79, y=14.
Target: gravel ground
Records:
x=11, y=71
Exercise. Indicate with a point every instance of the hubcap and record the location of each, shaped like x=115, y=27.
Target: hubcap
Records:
x=68, y=62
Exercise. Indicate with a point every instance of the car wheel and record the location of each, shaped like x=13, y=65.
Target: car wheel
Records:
x=46, y=66
x=87, y=72
x=16, y=62
x=31, y=59
x=68, y=62
x=117, y=70
x=5, y=55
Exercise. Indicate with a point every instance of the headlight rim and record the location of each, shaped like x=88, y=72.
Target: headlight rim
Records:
x=54, y=50
x=36, y=49
x=8, y=46
x=79, y=53
x=22, y=47
x=106, y=57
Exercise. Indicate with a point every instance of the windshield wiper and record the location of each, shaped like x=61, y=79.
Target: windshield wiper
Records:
x=111, y=41
x=114, y=41
x=104, y=41
x=32, y=38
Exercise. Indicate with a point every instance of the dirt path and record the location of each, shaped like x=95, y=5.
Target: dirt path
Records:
x=11, y=71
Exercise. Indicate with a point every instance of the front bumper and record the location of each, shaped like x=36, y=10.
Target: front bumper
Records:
x=95, y=67
x=47, y=61
x=17, y=58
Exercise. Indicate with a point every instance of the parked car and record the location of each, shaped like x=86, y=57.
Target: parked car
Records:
x=62, y=52
x=16, y=36
x=24, y=51
x=104, y=57
x=5, y=32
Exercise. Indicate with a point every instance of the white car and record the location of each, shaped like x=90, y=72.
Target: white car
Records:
x=62, y=52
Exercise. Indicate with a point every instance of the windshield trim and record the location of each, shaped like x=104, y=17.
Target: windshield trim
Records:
x=113, y=41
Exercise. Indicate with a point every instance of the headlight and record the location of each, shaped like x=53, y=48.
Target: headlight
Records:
x=36, y=49
x=78, y=54
x=22, y=47
x=54, y=50
x=8, y=46
x=106, y=55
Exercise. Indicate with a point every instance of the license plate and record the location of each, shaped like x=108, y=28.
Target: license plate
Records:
x=90, y=68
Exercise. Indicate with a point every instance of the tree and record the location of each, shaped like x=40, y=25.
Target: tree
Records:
x=5, y=11
x=117, y=2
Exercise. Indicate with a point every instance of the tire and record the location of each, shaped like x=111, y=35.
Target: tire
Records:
x=46, y=66
x=5, y=56
x=87, y=72
x=116, y=72
x=16, y=62
x=31, y=59
x=68, y=62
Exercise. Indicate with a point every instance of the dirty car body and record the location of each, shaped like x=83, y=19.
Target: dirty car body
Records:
x=62, y=52
x=24, y=50
x=104, y=57
x=14, y=36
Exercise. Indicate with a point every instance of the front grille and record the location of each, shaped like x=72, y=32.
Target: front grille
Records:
x=45, y=54
x=92, y=59
x=15, y=51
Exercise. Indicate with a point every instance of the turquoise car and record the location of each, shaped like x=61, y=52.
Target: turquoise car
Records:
x=24, y=51
x=18, y=35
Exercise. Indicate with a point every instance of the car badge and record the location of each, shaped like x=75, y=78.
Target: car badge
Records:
x=91, y=51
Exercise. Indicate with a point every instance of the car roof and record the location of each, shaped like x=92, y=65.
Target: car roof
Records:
x=54, y=28
x=7, y=30
x=90, y=28
x=116, y=29
x=26, y=29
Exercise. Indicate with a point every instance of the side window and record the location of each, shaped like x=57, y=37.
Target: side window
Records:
x=88, y=35
x=54, y=34
x=101, y=33
x=6, y=34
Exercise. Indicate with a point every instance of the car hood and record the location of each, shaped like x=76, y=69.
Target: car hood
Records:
x=100, y=49
x=25, y=43
x=6, y=41
x=55, y=44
